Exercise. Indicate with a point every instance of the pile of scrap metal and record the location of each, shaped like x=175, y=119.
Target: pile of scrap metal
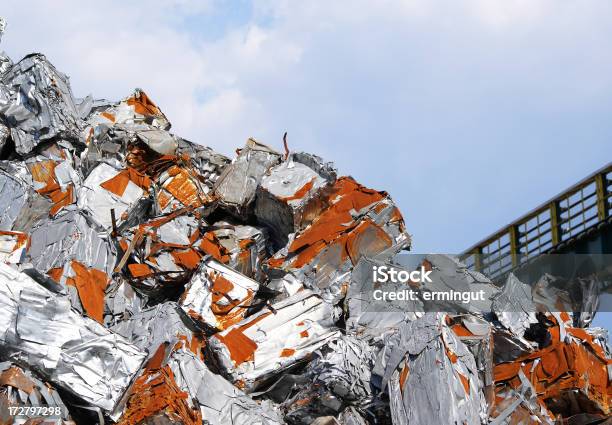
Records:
x=145, y=279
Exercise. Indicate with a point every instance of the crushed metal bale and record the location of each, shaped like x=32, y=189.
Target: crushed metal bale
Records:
x=147, y=279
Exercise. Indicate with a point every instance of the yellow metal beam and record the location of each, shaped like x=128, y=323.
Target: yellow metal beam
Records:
x=555, y=229
x=600, y=184
x=514, y=245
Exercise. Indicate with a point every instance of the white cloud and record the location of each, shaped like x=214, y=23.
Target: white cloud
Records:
x=411, y=96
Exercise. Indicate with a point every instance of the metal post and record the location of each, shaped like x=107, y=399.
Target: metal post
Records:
x=602, y=198
x=477, y=259
x=514, y=245
x=555, y=228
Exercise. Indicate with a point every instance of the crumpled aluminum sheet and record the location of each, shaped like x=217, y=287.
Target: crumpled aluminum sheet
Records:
x=274, y=339
x=161, y=254
x=236, y=187
x=54, y=176
x=38, y=104
x=217, y=297
x=289, y=198
x=136, y=110
x=477, y=334
x=339, y=377
x=431, y=374
x=345, y=367
x=447, y=273
x=72, y=253
x=69, y=237
x=516, y=311
x=15, y=192
x=520, y=405
x=121, y=302
x=210, y=164
x=95, y=198
x=363, y=317
x=154, y=326
x=155, y=396
x=358, y=222
x=241, y=247
x=21, y=388
x=220, y=401
x=39, y=330
x=180, y=188
x=572, y=373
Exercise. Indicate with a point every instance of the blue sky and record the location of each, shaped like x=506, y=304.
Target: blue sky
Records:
x=469, y=113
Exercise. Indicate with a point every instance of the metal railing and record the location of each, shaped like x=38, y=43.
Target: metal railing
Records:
x=565, y=217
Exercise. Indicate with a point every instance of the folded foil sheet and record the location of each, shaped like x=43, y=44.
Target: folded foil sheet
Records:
x=146, y=279
x=237, y=185
x=41, y=331
x=217, y=297
x=290, y=196
x=274, y=339
x=431, y=375
x=37, y=103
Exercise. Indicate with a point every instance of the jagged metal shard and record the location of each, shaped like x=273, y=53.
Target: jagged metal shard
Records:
x=149, y=280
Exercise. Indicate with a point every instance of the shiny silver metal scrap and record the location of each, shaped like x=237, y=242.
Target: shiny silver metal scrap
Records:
x=97, y=200
x=220, y=402
x=242, y=247
x=516, y=312
x=151, y=280
x=431, y=375
x=369, y=319
x=357, y=222
x=58, y=241
x=154, y=326
x=15, y=191
x=345, y=367
x=274, y=339
x=237, y=186
x=38, y=104
x=217, y=297
x=290, y=197
x=39, y=330
x=121, y=302
x=340, y=375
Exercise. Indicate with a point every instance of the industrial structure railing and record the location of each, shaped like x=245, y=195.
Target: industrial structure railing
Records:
x=565, y=217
